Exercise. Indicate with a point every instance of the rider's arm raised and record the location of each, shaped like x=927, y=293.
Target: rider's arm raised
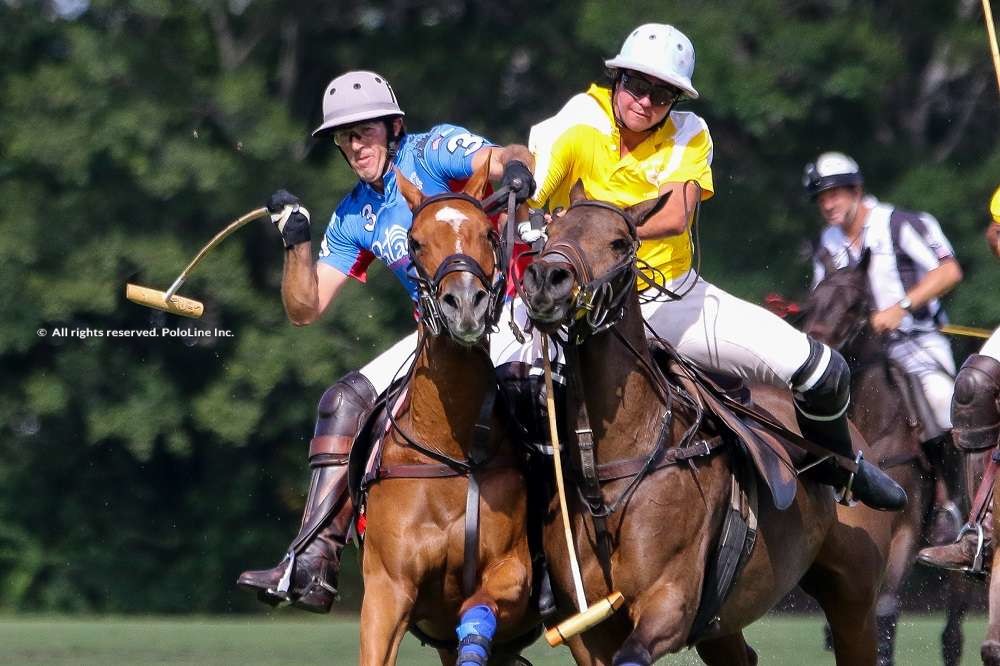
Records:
x=307, y=287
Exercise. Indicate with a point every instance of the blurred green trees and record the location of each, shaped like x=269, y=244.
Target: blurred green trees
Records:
x=142, y=474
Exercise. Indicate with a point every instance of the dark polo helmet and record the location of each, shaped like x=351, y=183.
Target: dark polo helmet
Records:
x=830, y=170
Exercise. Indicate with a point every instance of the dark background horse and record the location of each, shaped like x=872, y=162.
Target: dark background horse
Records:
x=837, y=313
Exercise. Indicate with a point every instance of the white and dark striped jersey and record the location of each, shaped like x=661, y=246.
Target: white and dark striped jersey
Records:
x=904, y=246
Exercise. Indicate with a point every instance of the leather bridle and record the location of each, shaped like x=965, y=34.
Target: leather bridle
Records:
x=428, y=286
x=598, y=302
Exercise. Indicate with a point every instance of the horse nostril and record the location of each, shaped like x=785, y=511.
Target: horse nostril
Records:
x=450, y=301
x=531, y=278
x=557, y=276
x=478, y=299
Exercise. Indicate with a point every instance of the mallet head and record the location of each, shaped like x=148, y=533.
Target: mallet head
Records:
x=153, y=298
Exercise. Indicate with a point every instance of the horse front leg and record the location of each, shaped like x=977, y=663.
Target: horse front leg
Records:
x=501, y=600
x=952, y=638
x=385, y=617
x=662, y=619
x=732, y=650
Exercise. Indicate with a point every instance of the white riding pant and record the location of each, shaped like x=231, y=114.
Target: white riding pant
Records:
x=991, y=347
x=720, y=331
x=928, y=357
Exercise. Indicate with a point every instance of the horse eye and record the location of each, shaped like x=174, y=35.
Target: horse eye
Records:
x=620, y=245
x=415, y=244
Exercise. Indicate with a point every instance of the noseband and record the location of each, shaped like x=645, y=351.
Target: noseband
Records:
x=428, y=306
x=598, y=303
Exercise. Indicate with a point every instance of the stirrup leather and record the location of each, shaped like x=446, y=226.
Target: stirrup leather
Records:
x=846, y=494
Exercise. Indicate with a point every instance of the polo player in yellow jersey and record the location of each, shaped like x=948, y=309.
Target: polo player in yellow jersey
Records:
x=627, y=143
x=975, y=415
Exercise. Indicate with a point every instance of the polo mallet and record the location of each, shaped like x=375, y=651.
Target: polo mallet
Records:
x=968, y=331
x=168, y=301
x=991, y=31
x=588, y=616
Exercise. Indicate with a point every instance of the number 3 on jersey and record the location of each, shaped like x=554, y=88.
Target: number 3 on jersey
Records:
x=471, y=143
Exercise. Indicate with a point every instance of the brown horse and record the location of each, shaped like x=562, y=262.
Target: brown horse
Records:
x=837, y=313
x=666, y=523
x=447, y=458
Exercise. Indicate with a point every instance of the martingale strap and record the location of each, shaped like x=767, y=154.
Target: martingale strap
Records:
x=590, y=485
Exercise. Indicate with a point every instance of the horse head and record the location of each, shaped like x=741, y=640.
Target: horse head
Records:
x=455, y=253
x=837, y=310
x=587, y=269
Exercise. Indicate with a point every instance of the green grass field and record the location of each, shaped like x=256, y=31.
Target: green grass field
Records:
x=283, y=638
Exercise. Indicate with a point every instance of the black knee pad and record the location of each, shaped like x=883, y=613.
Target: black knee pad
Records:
x=828, y=395
x=975, y=406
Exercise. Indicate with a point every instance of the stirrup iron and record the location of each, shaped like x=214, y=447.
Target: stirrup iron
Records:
x=977, y=562
x=846, y=494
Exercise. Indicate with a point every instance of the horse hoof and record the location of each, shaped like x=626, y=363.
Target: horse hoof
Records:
x=990, y=653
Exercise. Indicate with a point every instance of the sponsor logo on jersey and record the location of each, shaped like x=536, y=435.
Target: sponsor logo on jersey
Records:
x=393, y=245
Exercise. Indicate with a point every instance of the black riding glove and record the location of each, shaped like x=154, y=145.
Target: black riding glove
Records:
x=517, y=176
x=290, y=217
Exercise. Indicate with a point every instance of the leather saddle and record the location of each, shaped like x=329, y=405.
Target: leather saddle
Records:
x=729, y=403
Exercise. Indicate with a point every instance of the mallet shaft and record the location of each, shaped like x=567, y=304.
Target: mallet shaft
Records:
x=216, y=239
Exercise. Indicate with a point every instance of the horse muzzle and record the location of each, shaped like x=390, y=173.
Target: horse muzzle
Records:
x=549, y=291
x=464, y=305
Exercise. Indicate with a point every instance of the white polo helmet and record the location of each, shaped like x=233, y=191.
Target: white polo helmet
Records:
x=354, y=97
x=831, y=170
x=659, y=50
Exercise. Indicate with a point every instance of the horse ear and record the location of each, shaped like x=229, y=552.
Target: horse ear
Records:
x=866, y=256
x=414, y=197
x=476, y=186
x=644, y=210
x=577, y=193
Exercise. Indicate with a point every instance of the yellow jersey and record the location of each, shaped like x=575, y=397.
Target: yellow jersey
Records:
x=995, y=206
x=582, y=142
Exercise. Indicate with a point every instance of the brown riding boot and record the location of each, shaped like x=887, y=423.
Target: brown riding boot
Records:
x=971, y=553
x=307, y=576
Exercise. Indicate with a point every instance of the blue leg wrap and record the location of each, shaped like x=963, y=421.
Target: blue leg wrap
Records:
x=475, y=633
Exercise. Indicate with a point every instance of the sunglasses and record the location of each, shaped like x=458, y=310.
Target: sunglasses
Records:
x=364, y=131
x=639, y=87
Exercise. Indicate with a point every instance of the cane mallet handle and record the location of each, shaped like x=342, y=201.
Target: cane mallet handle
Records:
x=588, y=616
x=968, y=331
x=216, y=239
x=991, y=31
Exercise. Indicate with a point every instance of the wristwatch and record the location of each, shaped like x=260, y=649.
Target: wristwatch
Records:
x=905, y=303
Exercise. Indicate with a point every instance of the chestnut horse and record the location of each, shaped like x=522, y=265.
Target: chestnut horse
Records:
x=426, y=565
x=665, y=525
x=837, y=313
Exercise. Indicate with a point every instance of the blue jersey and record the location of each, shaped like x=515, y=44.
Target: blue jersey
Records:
x=369, y=224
